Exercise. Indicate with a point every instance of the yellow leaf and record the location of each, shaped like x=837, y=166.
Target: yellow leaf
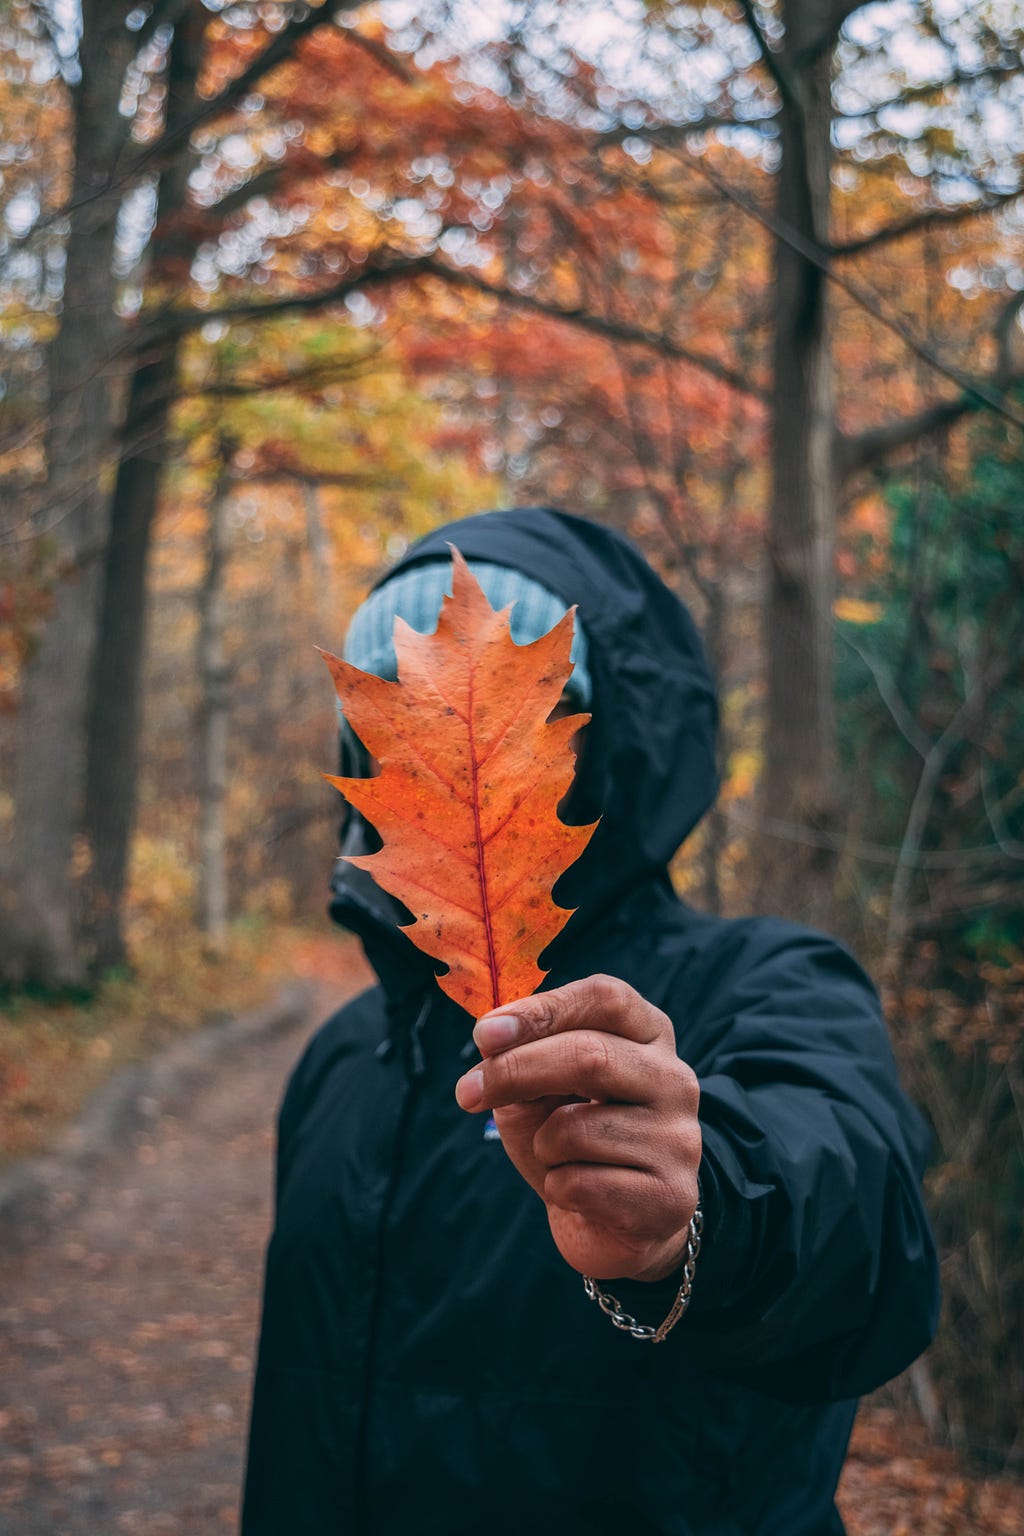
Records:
x=854, y=610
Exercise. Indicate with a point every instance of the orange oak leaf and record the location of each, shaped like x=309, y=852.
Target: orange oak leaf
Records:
x=471, y=775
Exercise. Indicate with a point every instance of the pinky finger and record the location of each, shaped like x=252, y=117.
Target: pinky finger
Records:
x=629, y=1201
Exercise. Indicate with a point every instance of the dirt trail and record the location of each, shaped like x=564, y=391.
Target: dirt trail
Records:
x=127, y=1337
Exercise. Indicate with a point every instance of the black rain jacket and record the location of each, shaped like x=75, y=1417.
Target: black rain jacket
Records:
x=428, y=1364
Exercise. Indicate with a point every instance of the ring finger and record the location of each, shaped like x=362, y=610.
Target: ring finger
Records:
x=620, y=1134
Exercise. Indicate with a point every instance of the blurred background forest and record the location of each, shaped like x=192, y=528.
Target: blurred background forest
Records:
x=284, y=285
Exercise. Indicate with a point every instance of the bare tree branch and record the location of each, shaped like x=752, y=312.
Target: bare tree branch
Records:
x=668, y=134
x=1003, y=331
x=598, y=325
x=835, y=14
x=266, y=182
x=380, y=54
x=43, y=15
x=349, y=480
x=386, y=269
x=318, y=376
x=990, y=393
x=842, y=10
x=867, y=448
x=910, y=852
x=165, y=13
x=916, y=93
x=802, y=833
x=280, y=48
x=901, y=715
x=928, y=219
x=155, y=156
x=1011, y=846
x=877, y=443
x=785, y=84
x=263, y=184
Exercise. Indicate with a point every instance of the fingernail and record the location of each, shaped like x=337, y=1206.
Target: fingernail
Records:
x=469, y=1090
x=494, y=1033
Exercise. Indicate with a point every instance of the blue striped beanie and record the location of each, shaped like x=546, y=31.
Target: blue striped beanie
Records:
x=416, y=596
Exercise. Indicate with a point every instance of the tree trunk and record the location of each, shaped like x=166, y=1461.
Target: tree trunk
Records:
x=716, y=832
x=115, y=712
x=799, y=809
x=215, y=679
x=38, y=939
x=112, y=755
x=318, y=545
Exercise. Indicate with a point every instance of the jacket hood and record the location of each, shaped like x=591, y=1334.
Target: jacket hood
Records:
x=648, y=764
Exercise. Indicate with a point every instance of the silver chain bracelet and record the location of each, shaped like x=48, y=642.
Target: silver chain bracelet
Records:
x=612, y=1307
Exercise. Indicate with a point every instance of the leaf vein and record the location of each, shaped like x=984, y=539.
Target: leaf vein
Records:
x=442, y=896
x=410, y=742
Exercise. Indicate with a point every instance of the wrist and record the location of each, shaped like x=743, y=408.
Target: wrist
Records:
x=666, y=1259
x=613, y=1308
x=666, y=1262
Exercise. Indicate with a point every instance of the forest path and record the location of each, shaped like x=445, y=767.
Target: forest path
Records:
x=127, y=1336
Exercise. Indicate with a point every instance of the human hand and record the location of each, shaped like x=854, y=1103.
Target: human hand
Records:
x=599, y=1115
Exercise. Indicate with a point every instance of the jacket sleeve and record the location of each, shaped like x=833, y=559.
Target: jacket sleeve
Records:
x=817, y=1276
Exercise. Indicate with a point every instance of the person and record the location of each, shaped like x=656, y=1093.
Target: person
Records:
x=701, y=1116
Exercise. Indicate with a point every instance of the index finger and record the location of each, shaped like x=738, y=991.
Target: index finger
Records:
x=595, y=1002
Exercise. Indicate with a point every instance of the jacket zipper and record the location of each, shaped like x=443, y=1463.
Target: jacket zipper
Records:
x=415, y=1070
